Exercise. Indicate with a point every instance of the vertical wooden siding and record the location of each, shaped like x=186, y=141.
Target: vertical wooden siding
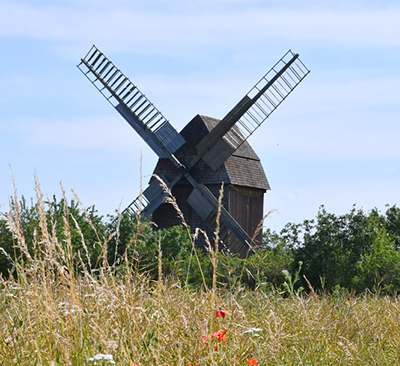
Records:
x=246, y=205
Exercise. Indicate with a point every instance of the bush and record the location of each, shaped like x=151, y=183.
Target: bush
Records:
x=81, y=231
x=354, y=251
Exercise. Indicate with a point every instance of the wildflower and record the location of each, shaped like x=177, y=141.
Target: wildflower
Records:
x=220, y=314
x=252, y=362
x=73, y=311
x=100, y=356
x=196, y=364
x=220, y=336
x=252, y=330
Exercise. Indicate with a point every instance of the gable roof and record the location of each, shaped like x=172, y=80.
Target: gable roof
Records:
x=242, y=168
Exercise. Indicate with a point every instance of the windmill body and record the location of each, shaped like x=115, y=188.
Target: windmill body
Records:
x=244, y=185
x=207, y=152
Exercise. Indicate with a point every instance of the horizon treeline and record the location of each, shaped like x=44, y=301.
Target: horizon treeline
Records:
x=357, y=251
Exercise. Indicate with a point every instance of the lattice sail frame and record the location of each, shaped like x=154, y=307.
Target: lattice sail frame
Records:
x=131, y=103
x=256, y=106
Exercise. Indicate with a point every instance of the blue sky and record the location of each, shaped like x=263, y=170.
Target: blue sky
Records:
x=333, y=142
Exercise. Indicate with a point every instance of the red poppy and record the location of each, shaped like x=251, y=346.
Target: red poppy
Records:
x=220, y=336
x=220, y=314
x=252, y=362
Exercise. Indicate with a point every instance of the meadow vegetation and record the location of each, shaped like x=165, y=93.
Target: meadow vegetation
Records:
x=77, y=289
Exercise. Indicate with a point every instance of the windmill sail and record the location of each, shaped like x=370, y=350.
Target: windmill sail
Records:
x=256, y=106
x=131, y=103
x=206, y=206
x=214, y=148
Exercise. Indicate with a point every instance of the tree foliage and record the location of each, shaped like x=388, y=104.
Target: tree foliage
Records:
x=354, y=251
x=71, y=227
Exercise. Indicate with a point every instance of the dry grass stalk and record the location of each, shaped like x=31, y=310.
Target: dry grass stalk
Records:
x=260, y=225
x=214, y=251
x=314, y=295
x=50, y=320
x=171, y=200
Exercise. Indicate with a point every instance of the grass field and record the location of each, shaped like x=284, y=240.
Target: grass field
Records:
x=49, y=315
x=52, y=322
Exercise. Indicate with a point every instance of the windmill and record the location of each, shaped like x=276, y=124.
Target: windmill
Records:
x=216, y=146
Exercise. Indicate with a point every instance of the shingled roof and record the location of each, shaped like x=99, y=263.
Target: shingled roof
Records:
x=242, y=168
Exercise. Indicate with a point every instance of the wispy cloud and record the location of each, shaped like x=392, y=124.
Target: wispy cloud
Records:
x=158, y=28
x=327, y=142
x=202, y=56
x=77, y=134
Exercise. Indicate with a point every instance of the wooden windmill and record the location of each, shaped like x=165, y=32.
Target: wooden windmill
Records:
x=196, y=161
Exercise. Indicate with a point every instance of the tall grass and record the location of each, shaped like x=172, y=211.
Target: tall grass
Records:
x=52, y=313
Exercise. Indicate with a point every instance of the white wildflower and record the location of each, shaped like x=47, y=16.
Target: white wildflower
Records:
x=253, y=331
x=100, y=357
x=73, y=311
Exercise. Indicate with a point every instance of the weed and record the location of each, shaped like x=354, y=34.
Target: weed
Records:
x=53, y=312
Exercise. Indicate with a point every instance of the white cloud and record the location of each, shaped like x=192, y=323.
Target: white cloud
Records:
x=296, y=203
x=347, y=119
x=349, y=91
x=85, y=134
x=346, y=111
x=334, y=123
x=326, y=140
x=171, y=31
